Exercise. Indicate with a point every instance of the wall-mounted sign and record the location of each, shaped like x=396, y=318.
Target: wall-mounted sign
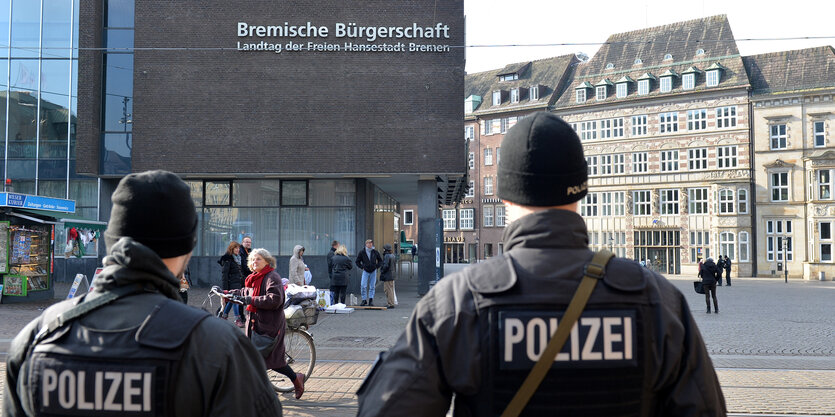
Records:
x=344, y=37
x=36, y=202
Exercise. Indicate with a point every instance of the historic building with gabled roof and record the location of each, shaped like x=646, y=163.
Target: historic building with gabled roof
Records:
x=792, y=94
x=663, y=114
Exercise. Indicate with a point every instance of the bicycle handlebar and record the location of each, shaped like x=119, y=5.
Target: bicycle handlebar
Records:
x=228, y=297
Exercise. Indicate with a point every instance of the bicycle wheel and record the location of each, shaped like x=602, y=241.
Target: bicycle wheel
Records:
x=301, y=356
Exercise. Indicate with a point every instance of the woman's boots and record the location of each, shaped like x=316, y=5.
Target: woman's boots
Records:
x=298, y=384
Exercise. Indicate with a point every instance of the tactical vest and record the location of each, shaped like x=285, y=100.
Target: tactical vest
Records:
x=78, y=371
x=601, y=370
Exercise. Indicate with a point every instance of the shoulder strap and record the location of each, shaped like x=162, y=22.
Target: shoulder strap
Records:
x=593, y=273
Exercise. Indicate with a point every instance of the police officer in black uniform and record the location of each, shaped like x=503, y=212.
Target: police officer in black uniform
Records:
x=635, y=351
x=131, y=347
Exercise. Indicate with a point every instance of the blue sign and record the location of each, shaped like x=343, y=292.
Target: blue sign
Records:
x=37, y=202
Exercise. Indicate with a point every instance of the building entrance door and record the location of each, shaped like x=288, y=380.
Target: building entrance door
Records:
x=453, y=253
x=471, y=252
x=659, y=249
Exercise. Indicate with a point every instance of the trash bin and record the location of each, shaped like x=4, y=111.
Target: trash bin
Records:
x=822, y=275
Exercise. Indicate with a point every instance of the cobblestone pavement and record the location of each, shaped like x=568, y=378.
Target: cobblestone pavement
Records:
x=772, y=345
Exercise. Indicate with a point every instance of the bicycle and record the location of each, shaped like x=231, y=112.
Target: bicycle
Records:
x=299, y=350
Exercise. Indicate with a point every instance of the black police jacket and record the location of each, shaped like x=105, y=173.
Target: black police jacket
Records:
x=635, y=350
x=118, y=348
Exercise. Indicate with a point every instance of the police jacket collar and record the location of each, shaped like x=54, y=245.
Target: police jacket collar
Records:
x=131, y=262
x=553, y=228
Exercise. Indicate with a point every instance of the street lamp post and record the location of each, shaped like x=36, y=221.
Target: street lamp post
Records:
x=785, y=261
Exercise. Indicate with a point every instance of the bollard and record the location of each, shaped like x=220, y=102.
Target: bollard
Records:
x=822, y=275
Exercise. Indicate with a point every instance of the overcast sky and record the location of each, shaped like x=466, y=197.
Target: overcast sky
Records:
x=502, y=22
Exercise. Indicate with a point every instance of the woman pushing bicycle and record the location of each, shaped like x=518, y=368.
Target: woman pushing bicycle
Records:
x=263, y=296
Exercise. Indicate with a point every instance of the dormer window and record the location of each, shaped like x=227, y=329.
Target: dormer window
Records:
x=688, y=78
x=712, y=74
x=497, y=97
x=581, y=95
x=471, y=103
x=643, y=83
x=508, y=77
x=623, y=86
x=638, y=61
x=534, y=93
x=668, y=57
x=514, y=95
x=610, y=66
x=667, y=80
x=700, y=52
x=581, y=91
x=602, y=92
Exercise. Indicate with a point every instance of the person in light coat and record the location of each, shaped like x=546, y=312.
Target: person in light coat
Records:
x=297, y=266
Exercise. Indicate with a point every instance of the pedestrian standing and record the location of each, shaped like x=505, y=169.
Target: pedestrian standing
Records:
x=231, y=278
x=334, y=247
x=368, y=260
x=297, y=266
x=387, y=276
x=185, y=284
x=474, y=337
x=727, y=270
x=709, y=278
x=339, y=280
x=132, y=335
x=246, y=247
x=720, y=265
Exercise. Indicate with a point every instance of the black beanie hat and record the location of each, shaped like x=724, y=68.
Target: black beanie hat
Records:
x=542, y=163
x=155, y=209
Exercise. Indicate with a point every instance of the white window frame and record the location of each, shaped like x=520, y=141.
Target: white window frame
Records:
x=688, y=81
x=449, y=217
x=824, y=183
x=669, y=161
x=488, y=185
x=727, y=244
x=778, y=137
x=497, y=97
x=592, y=163
x=727, y=201
x=580, y=95
x=642, y=203
x=588, y=130
x=601, y=92
x=488, y=127
x=726, y=157
x=825, y=241
x=407, y=214
x=471, y=160
x=622, y=89
x=589, y=205
x=488, y=156
x=611, y=128
x=779, y=183
x=712, y=78
x=471, y=190
x=469, y=132
x=533, y=92
x=742, y=201
x=744, y=247
x=619, y=204
x=487, y=214
x=466, y=218
x=605, y=164
x=668, y=202
x=697, y=200
x=500, y=216
x=514, y=95
x=776, y=231
x=640, y=162
x=668, y=122
x=699, y=240
x=639, y=125
x=697, y=159
x=696, y=119
x=606, y=204
x=643, y=87
x=618, y=163
x=819, y=133
x=666, y=84
x=725, y=117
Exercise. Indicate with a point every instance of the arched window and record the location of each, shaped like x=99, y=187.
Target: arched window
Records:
x=726, y=201
x=726, y=244
x=743, y=247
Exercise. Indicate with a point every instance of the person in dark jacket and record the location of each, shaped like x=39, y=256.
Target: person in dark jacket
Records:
x=368, y=260
x=727, y=266
x=720, y=264
x=246, y=247
x=387, y=276
x=137, y=329
x=708, y=274
x=232, y=278
x=334, y=247
x=477, y=333
x=263, y=296
x=339, y=279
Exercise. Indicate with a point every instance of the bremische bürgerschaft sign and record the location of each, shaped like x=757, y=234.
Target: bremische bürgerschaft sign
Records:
x=350, y=37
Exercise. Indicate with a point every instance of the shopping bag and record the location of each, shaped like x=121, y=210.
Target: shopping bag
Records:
x=699, y=287
x=307, y=277
x=323, y=299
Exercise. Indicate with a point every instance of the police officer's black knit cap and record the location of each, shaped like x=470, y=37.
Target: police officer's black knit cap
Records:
x=542, y=163
x=155, y=209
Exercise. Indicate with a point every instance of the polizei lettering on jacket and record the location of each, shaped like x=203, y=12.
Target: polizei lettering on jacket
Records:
x=599, y=339
x=98, y=390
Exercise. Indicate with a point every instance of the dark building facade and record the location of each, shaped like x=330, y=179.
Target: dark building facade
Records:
x=294, y=123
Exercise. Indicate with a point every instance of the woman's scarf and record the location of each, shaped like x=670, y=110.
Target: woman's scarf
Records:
x=254, y=281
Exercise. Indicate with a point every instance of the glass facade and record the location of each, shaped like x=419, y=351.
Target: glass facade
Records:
x=38, y=101
x=117, y=117
x=276, y=214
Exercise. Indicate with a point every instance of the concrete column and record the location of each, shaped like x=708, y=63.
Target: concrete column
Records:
x=427, y=214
